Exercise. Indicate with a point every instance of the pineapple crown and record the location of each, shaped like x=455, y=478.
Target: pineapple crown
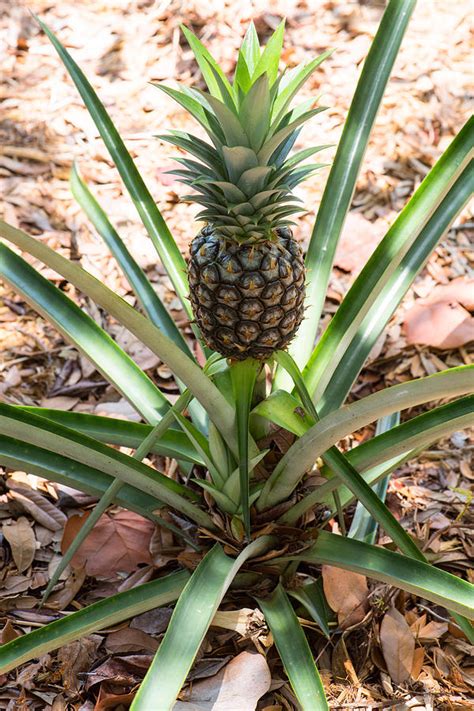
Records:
x=244, y=179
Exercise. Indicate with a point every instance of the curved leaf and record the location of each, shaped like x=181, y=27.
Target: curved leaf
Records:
x=146, y=295
x=85, y=450
x=330, y=429
x=345, y=169
x=93, y=618
x=294, y=651
x=151, y=217
x=191, y=618
x=123, y=433
x=184, y=368
x=80, y=329
x=376, y=293
x=381, y=564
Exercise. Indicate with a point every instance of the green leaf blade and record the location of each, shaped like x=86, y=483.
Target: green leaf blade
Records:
x=381, y=564
x=150, y=215
x=147, y=296
x=100, y=615
x=342, y=178
x=294, y=651
x=191, y=619
x=386, y=277
x=81, y=330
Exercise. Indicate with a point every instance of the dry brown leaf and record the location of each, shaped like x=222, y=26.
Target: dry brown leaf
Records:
x=123, y=671
x=77, y=657
x=398, y=646
x=346, y=593
x=359, y=238
x=154, y=621
x=130, y=640
x=433, y=630
x=246, y=622
x=442, y=320
x=60, y=599
x=37, y=506
x=21, y=538
x=418, y=659
x=238, y=686
x=8, y=633
x=116, y=544
x=460, y=290
x=112, y=701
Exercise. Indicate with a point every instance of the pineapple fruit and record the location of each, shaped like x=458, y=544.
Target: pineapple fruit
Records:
x=246, y=271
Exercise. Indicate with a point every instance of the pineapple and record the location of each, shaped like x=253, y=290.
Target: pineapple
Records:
x=246, y=271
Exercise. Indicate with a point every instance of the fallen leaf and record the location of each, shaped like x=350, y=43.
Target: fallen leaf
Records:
x=442, y=319
x=238, y=686
x=116, y=544
x=77, y=657
x=130, y=640
x=154, y=621
x=123, y=671
x=460, y=290
x=358, y=240
x=60, y=402
x=433, y=630
x=418, y=659
x=8, y=633
x=398, y=646
x=346, y=593
x=37, y=506
x=112, y=701
x=246, y=622
x=60, y=599
x=14, y=584
x=21, y=538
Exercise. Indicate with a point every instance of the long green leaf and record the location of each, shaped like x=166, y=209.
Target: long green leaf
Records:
x=284, y=410
x=291, y=83
x=294, y=651
x=342, y=178
x=376, y=293
x=415, y=433
x=81, y=330
x=46, y=433
x=204, y=59
x=24, y=456
x=406, y=573
x=250, y=48
x=195, y=105
x=183, y=367
x=268, y=62
x=311, y=596
x=349, y=475
x=150, y=215
x=364, y=526
x=93, y=618
x=244, y=374
x=108, y=496
x=382, y=454
x=320, y=437
x=123, y=433
x=191, y=618
x=147, y=296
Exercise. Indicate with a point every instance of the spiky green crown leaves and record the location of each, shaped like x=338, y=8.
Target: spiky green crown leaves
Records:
x=244, y=178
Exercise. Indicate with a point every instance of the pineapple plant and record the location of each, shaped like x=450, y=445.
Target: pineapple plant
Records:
x=264, y=533
x=246, y=271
